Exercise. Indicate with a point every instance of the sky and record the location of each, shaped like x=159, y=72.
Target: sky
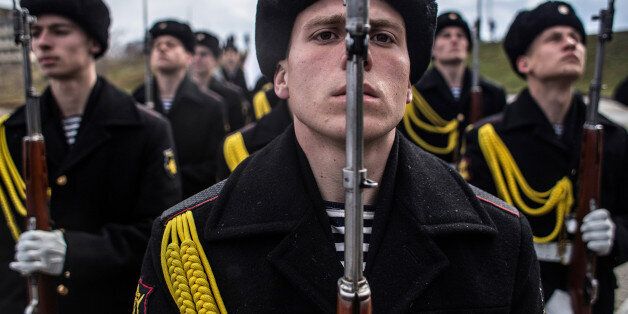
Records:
x=224, y=17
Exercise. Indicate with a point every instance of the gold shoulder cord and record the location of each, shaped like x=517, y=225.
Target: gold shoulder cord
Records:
x=438, y=125
x=186, y=270
x=234, y=150
x=502, y=164
x=261, y=106
x=11, y=182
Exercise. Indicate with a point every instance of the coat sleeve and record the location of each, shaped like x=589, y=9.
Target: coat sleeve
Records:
x=112, y=256
x=528, y=294
x=620, y=212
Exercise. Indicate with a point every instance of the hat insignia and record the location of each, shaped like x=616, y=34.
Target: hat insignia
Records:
x=200, y=37
x=162, y=26
x=563, y=9
x=453, y=16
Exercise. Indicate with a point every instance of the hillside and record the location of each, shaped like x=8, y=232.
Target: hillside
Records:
x=128, y=73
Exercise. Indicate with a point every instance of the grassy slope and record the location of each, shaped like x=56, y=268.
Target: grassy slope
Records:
x=128, y=73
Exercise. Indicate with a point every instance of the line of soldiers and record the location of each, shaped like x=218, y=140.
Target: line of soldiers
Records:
x=261, y=240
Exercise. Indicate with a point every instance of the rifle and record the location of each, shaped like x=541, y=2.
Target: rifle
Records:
x=42, y=298
x=475, y=112
x=354, y=294
x=583, y=286
x=148, y=76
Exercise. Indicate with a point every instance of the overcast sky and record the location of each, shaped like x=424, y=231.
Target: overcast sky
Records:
x=224, y=17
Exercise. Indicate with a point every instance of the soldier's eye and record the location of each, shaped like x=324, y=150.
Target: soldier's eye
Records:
x=382, y=38
x=325, y=36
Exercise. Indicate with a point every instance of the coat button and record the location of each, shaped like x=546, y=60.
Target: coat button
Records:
x=67, y=274
x=62, y=290
x=62, y=180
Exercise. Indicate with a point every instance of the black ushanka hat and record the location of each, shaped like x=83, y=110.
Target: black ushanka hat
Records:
x=452, y=18
x=275, y=19
x=210, y=41
x=176, y=29
x=529, y=24
x=91, y=15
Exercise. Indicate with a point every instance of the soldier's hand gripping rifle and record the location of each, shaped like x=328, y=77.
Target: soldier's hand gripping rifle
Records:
x=354, y=294
x=475, y=112
x=42, y=298
x=583, y=286
x=148, y=75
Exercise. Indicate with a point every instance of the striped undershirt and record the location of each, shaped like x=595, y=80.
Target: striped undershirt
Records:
x=71, y=127
x=336, y=214
x=167, y=102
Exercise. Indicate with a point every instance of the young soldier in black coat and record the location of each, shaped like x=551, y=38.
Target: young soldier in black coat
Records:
x=441, y=107
x=537, y=142
x=206, y=55
x=196, y=117
x=111, y=169
x=263, y=240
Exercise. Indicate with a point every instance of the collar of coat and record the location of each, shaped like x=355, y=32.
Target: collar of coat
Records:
x=525, y=112
x=420, y=200
x=433, y=79
x=110, y=105
x=107, y=108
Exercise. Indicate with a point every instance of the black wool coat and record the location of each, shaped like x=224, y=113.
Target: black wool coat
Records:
x=197, y=126
x=258, y=134
x=436, y=92
x=544, y=158
x=239, y=111
x=437, y=244
x=106, y=190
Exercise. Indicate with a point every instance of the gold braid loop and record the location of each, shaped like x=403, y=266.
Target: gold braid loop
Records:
x=186, y=269
x=13, y=183
x=436, y=125
x=510, y=182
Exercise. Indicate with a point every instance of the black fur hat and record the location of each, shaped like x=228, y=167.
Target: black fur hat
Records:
x=275, y=18
x=176, y=29
x=529, y=24
x=210, y=41
x=91, y=15
x=452, y=18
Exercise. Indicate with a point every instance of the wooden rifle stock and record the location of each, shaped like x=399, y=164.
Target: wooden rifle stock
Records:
x=36, y=180
x=582, y=282
x=475, y=112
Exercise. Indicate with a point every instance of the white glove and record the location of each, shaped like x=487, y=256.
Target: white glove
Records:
x=40, y=251
x=598, y=231
x=559, y=303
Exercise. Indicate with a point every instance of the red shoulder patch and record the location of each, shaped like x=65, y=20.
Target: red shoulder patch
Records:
x=177, y=213
x=506, y=209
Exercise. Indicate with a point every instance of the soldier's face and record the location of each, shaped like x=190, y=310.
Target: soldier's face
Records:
x=313, y=77
x=168, y=55
x=231, y=59
x=450, y=46
x=203, y=61
x=62, y=48
x=556, y=54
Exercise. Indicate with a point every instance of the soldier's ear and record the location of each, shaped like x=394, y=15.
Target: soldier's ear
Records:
x=409, y=93
x=523, y=64
x=281, y=81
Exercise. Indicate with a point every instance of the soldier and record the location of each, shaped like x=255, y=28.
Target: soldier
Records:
x=536, y=143
x=196, y=117
x=204, y=65
x=263, y=240
x=441, y=106
x=110, y=164
x=231, y=64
